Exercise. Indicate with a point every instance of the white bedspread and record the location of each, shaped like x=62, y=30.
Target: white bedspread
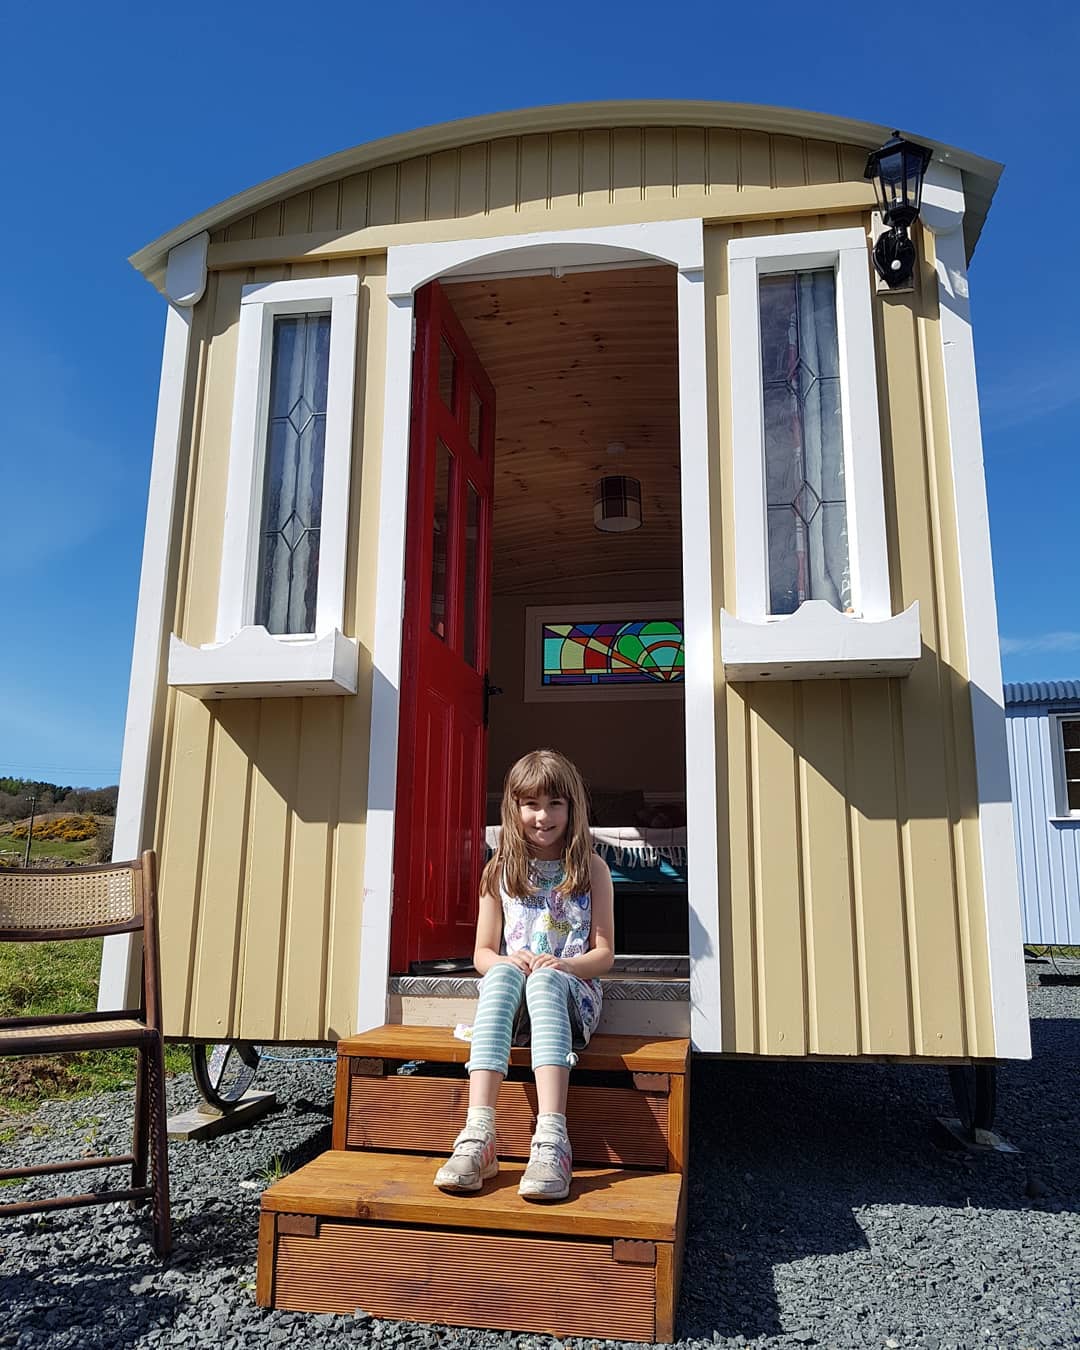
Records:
x=628, y=845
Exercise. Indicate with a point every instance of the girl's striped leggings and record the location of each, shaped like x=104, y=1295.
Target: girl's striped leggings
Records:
x=548, y=999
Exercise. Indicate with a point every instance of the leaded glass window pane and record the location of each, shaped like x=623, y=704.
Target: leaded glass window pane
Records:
x=472, y=548
x=613, y=652
x=288, y=573
x=440, y=540
x=804, y=441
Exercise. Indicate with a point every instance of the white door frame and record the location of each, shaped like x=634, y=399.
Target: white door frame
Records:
x=410, y=266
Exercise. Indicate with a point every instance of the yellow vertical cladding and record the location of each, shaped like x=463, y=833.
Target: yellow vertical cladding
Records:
x=559, y=175
x=261, y=803
x=852, y=909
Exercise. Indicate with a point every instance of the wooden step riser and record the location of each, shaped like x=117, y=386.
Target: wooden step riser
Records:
x=631, y=1017
x=626, y=1127
x=619, y=1290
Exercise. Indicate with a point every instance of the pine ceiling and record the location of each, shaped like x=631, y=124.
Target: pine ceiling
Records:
x=578, y=362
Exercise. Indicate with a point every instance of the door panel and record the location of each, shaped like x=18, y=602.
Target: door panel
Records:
x=442, y=748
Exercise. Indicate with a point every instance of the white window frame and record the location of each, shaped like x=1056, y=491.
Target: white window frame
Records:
x=1057, y=752
x=259, y=306
x=845, y=252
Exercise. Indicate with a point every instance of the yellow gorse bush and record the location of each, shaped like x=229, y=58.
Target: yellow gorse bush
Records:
x=68, y=828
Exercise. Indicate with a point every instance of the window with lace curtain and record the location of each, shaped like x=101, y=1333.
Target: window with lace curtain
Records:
x=292, y=481
x=809, y=498
x=806, y=505
x=286, y=515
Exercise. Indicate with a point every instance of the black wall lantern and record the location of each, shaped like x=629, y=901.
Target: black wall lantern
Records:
x=897, y=171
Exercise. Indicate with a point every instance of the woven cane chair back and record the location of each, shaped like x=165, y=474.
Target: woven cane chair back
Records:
x=90, y=900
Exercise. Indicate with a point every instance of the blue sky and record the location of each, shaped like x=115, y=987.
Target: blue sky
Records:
x=124, y=120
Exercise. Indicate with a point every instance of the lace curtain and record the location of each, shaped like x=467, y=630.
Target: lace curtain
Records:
x=804, y=443
x=293, y=477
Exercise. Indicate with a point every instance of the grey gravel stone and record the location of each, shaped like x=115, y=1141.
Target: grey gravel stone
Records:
x=820, y=1214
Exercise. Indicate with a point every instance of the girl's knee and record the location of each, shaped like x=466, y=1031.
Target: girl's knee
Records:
x=503, y=975
x=546, y=980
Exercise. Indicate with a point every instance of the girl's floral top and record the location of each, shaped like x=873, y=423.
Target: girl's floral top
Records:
x=555, y=922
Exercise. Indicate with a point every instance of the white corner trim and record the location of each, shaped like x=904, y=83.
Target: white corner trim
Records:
x=377, y=901
x=260, y=305
x=706, y=1023
x=817, y=642
x=679, y=242
x=118, y=985
x=253, y=664
x=1012, y=1036
x=846, y=251
x=408, y=267
x=185, y=272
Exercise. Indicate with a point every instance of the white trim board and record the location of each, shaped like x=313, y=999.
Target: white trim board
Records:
x=943, y=213
x=118, y=986
x=681, y=244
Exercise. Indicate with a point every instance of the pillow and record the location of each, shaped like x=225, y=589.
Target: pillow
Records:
x=615, y=806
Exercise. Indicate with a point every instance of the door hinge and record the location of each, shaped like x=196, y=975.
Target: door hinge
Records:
x=413, y=348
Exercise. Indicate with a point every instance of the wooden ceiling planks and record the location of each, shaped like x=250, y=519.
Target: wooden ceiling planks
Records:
x=578, y=362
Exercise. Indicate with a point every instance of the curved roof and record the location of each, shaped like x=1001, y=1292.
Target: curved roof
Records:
x=980, y=175
x=1044, y=691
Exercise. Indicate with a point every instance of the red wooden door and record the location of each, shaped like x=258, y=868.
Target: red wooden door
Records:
x=442, y=744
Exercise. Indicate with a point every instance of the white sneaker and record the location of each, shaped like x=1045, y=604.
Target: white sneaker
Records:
x=472, y=1162
x=551, y=1165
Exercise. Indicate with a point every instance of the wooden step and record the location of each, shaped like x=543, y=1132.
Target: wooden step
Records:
x=639, y=1120
x=370, y=1230
x=636, y=1054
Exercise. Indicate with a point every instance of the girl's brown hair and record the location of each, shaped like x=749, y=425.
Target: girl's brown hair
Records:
x=546, y=773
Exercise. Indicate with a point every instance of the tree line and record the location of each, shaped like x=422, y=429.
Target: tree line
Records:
x=15, y=794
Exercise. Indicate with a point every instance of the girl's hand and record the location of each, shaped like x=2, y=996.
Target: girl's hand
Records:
x=523, y=960
x=544, y=959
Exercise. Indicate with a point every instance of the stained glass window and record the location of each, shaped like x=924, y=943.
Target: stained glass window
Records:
x=804, y=441
x=293, y=479
x=612, y=653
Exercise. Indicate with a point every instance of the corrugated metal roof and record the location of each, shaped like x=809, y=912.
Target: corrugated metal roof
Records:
x=1044, y=691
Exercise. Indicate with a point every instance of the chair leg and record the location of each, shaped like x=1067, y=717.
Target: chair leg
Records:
x=159, y=1149
x=140, y=1142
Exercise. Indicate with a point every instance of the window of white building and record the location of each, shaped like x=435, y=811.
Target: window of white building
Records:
x=1065, y=732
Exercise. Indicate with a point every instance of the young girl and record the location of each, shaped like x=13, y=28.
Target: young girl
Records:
x=546, y=897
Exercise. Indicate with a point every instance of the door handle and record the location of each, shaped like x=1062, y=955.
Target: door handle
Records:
x=490, y=692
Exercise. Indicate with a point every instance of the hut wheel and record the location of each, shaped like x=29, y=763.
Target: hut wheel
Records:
x=224, y=1072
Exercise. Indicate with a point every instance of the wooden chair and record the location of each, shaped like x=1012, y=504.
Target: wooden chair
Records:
x=90, y=902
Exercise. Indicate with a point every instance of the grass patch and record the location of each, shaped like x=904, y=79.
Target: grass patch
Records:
x=60, y=977
x=73, y=850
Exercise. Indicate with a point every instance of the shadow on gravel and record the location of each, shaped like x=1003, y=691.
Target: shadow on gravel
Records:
x=784, y=1156
x=53, y=1303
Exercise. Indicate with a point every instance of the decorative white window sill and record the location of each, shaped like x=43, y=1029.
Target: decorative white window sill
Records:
x=255, y=664
x=817, y=642
x=1064, y=820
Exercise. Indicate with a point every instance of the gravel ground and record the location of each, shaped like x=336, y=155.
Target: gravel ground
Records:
x=821, y=1213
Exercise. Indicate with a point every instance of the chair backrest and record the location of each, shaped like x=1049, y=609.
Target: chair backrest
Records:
x=71, y=903
x=88, y=902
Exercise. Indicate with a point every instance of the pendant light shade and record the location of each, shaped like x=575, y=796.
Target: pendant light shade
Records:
x=617, y=504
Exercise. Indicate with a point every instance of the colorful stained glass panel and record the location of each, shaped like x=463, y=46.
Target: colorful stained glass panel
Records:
x=642, y=651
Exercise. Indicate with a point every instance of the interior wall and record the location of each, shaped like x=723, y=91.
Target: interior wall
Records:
x=617, y=744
